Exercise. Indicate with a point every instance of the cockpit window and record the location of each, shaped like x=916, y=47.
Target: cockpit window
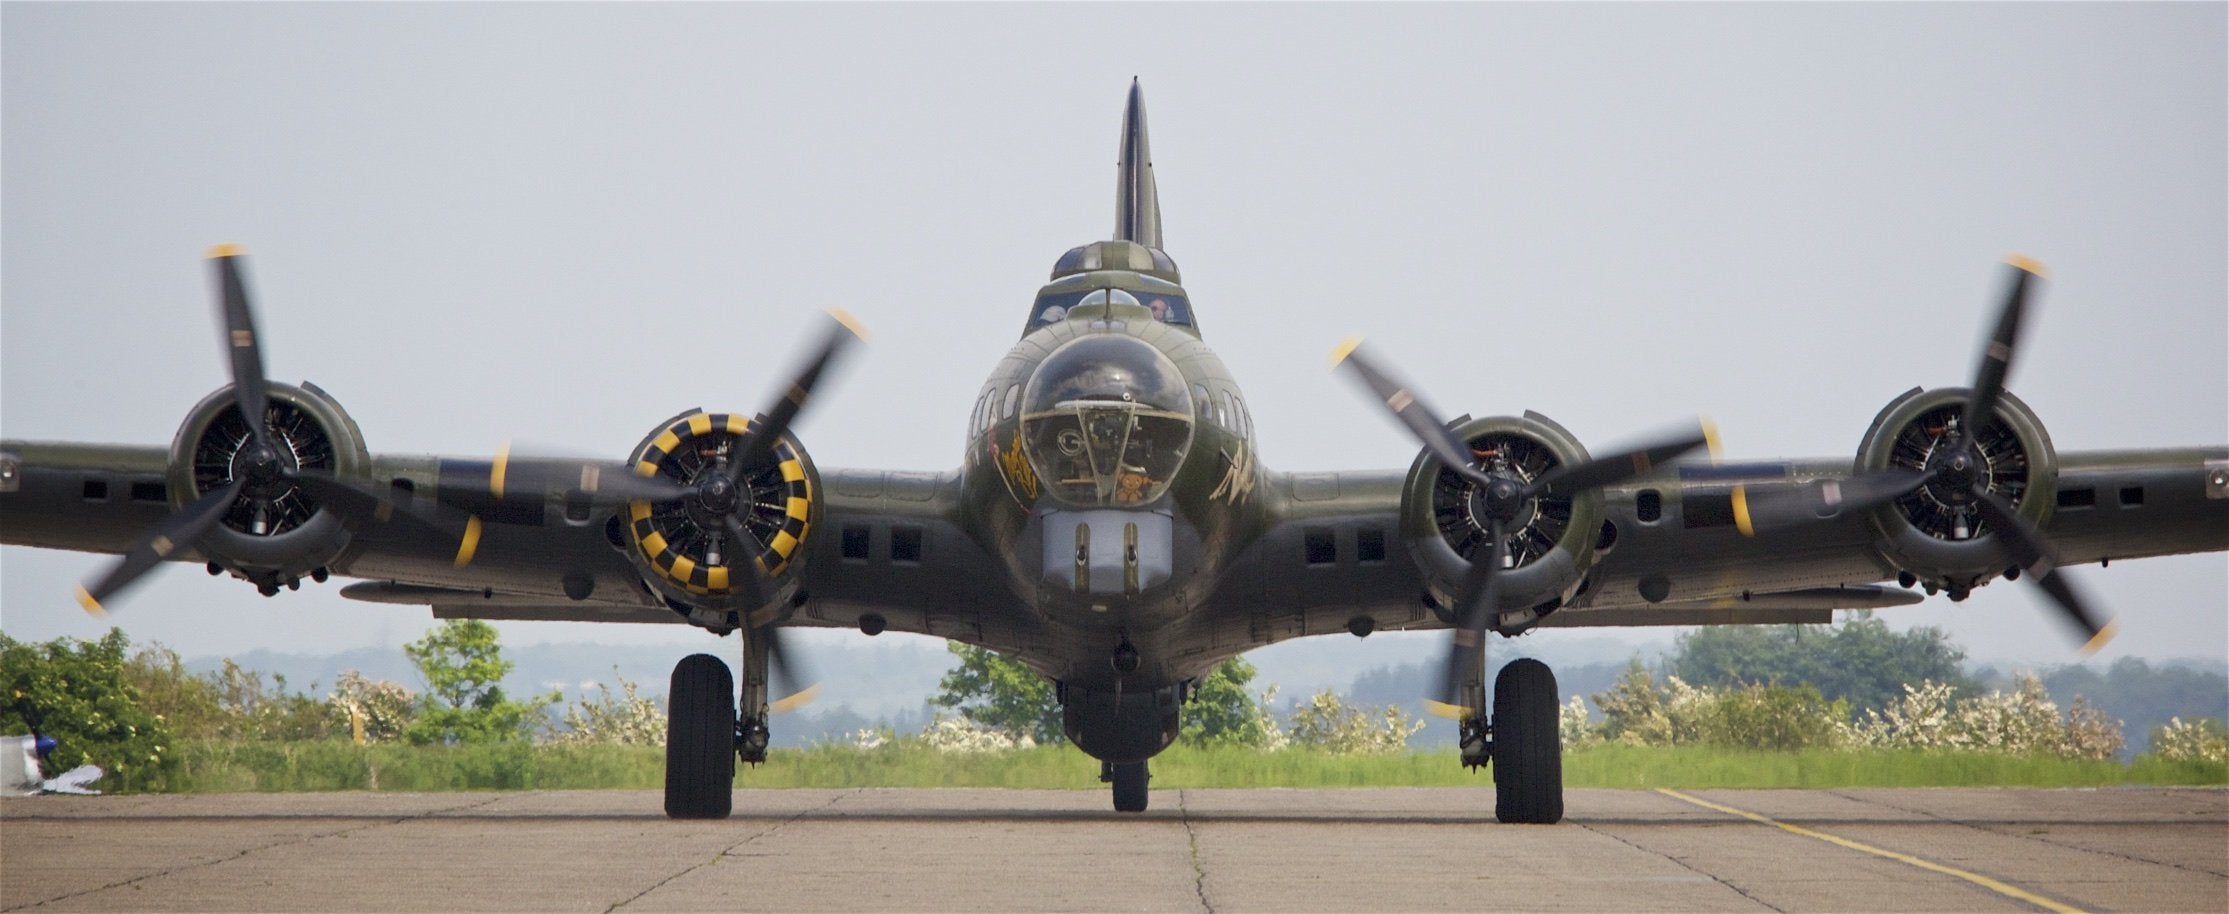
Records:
x=1106, y=420
x=1052, y=307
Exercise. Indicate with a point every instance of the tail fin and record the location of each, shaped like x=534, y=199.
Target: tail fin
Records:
x=1137, y=205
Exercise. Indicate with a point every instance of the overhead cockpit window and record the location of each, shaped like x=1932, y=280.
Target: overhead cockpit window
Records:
x=1106, y=420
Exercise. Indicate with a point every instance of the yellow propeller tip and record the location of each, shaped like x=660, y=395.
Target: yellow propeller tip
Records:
x=2028, y=264
x=227, y=249
x=499, y=469
x=1741, y=511
x=850, y=323
x=92, y=606
x=1710, y=438
x=796, y=701
x=2099, y=640
x=1443, y=709
x=1345, y=349
x=471, y=542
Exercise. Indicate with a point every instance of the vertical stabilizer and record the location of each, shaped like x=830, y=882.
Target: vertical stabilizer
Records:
x=1137, y=206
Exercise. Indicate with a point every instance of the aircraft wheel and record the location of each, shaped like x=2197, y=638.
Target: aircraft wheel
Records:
x=1528, y=745
x=1129, y=786
x=700, y=739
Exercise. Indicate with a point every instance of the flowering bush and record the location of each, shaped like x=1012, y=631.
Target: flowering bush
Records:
x=1326, y=723
x=959, y=734
x=1640, y=713
x=2203, y=740
x=384, y=707
x=2025, y=722
x=1577, y=729
x=627, y=719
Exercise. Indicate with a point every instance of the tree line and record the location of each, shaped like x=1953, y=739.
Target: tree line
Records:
x=1858, y=684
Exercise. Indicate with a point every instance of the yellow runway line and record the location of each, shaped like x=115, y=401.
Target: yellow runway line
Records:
x=1975, y=878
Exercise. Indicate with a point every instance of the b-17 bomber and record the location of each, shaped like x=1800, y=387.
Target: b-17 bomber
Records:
x=1113, y=526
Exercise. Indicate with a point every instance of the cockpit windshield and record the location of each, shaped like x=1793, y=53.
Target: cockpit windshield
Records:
x=1106, y=421
x=1052, y=307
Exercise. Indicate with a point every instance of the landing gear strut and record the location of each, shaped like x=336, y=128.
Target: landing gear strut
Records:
x=1523, y=740
x=704, y=734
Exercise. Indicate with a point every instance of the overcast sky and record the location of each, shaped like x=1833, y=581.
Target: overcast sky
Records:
x=562, y=224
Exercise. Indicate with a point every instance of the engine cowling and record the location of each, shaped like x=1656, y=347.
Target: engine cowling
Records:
x=272, y=535
x=1551, y=545
x=1929, y=534
x=683, y=547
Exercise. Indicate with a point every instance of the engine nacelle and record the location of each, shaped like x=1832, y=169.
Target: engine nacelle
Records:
x=1551, y=545
x=272, y=535
x=683, y=546
x=1927, y=534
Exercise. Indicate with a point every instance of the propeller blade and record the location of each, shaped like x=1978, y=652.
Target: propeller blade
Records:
x=760, y=441
x=1780, y=507
x=1474, y=613
x=2037, y=564
x=1996, y=360
x=1421, y=421
x=742, y=562
x=361, y=506
x=788, y=671
x=248, y=385
x=605, y=484
x=1611, y=469
x=175, y=533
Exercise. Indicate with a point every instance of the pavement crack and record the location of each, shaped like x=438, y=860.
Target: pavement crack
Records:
x=246, y=851
x=1714, y=877
x=1192, y=842
x=731, y=849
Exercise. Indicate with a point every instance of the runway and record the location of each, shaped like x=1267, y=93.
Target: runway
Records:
x=1421, y=849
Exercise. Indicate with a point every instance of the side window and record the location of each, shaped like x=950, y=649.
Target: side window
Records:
x=1230, y=415
x=1205, y=402
x=1242, y=419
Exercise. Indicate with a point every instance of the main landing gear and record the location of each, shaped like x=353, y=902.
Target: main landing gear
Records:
x=700, y=739
x=1523, y=741
x=705, y=735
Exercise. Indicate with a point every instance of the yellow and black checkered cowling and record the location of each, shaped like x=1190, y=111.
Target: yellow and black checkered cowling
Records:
x=777, y=507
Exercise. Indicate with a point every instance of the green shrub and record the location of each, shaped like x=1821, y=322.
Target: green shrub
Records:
x=80, y=693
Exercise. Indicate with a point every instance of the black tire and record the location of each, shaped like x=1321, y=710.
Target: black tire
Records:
x=1528, y=745
x=1129, y=786
x=700, y=739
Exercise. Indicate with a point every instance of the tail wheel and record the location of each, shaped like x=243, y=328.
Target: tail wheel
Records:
x=1129, y=786
x=700, y=739
x=1528, y=746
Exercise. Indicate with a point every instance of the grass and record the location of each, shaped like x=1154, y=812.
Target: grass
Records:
x=337, y=765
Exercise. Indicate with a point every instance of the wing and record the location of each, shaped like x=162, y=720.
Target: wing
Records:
x=1355, y=551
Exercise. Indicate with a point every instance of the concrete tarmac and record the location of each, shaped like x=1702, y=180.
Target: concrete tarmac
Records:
x=1401, y=849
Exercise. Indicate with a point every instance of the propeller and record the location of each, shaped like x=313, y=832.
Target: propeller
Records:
x=262, y=469
x=1955, y=472
x=724, y=492
x=1502, y=499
